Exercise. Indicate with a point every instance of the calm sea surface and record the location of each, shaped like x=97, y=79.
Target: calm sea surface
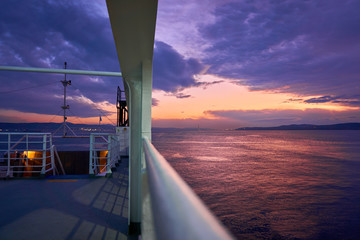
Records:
x=272, y=184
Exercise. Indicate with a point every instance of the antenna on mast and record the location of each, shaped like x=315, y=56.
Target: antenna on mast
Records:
x=65, y=107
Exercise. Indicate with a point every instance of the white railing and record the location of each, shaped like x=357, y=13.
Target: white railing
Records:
x=104, y=153
x=178, y=212
x=22, y=154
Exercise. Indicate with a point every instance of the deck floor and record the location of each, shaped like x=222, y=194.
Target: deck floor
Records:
x=74, y=208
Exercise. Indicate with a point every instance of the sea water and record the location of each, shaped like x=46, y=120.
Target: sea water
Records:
x=272, y=184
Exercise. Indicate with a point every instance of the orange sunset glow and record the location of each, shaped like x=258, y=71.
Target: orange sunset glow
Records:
x=228, y=96
x=201, y=100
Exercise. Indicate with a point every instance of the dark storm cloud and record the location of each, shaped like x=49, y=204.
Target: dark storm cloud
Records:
x=171, y=70
x=45, y=34
x=305, y=47
x=204, y=85
x=181, y=95
x=352, y=101
x=344, y=100
x=294, y=100
x=322, y=99
x=349, y=102
x=154, y=102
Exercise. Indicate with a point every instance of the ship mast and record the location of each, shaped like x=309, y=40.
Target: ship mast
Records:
x=64, y=107
x=64, y=126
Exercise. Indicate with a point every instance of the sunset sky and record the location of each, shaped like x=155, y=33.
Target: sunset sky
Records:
x=217, y=63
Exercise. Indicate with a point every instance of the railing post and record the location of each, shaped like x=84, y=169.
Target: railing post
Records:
x=91, y=170
x=52, y=155
x=113, y=151
x=27, y=149
x=108, y=158
x=44, y=155
x=8, y=163
x=116, y=148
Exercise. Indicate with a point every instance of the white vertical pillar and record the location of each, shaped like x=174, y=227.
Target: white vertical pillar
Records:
x=135, y=155
x=140, y=86
x=123, y=138
x=146, y=101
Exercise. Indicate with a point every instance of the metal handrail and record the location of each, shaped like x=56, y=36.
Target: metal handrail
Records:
x=111, y=145
x=14, y=151
x=65, y=71
x=178, y=212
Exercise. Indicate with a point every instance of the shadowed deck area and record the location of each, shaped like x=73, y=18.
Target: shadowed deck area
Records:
x=83, y=208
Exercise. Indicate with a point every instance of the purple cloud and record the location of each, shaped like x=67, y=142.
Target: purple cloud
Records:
x=154, y=102
x=344, y=100
x=303, y=47
x=322, y=99
x=45, y=34
x=181, y=95
x=172, y=71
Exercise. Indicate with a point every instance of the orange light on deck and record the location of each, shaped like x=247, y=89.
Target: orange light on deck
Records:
x=30, y=154
x=103, y=161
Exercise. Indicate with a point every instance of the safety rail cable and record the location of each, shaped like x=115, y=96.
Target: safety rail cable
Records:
x=180, y=214
x=103, y=142
x=15, y=148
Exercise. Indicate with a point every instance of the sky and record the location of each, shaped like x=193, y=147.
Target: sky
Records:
x=217, y=64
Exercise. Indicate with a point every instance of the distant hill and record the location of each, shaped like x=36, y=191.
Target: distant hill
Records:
x=340, y=126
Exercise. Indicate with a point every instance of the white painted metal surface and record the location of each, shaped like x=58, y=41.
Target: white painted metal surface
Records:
x=133, y=27
x=63, y=71
x=123, y=135
x=109, y=145
x=178, y=212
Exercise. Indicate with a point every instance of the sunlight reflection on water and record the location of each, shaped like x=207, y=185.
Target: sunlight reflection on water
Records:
x=273, y=184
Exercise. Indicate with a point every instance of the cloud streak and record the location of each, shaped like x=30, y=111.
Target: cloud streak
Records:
x=351, y=101
x=271, y=117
